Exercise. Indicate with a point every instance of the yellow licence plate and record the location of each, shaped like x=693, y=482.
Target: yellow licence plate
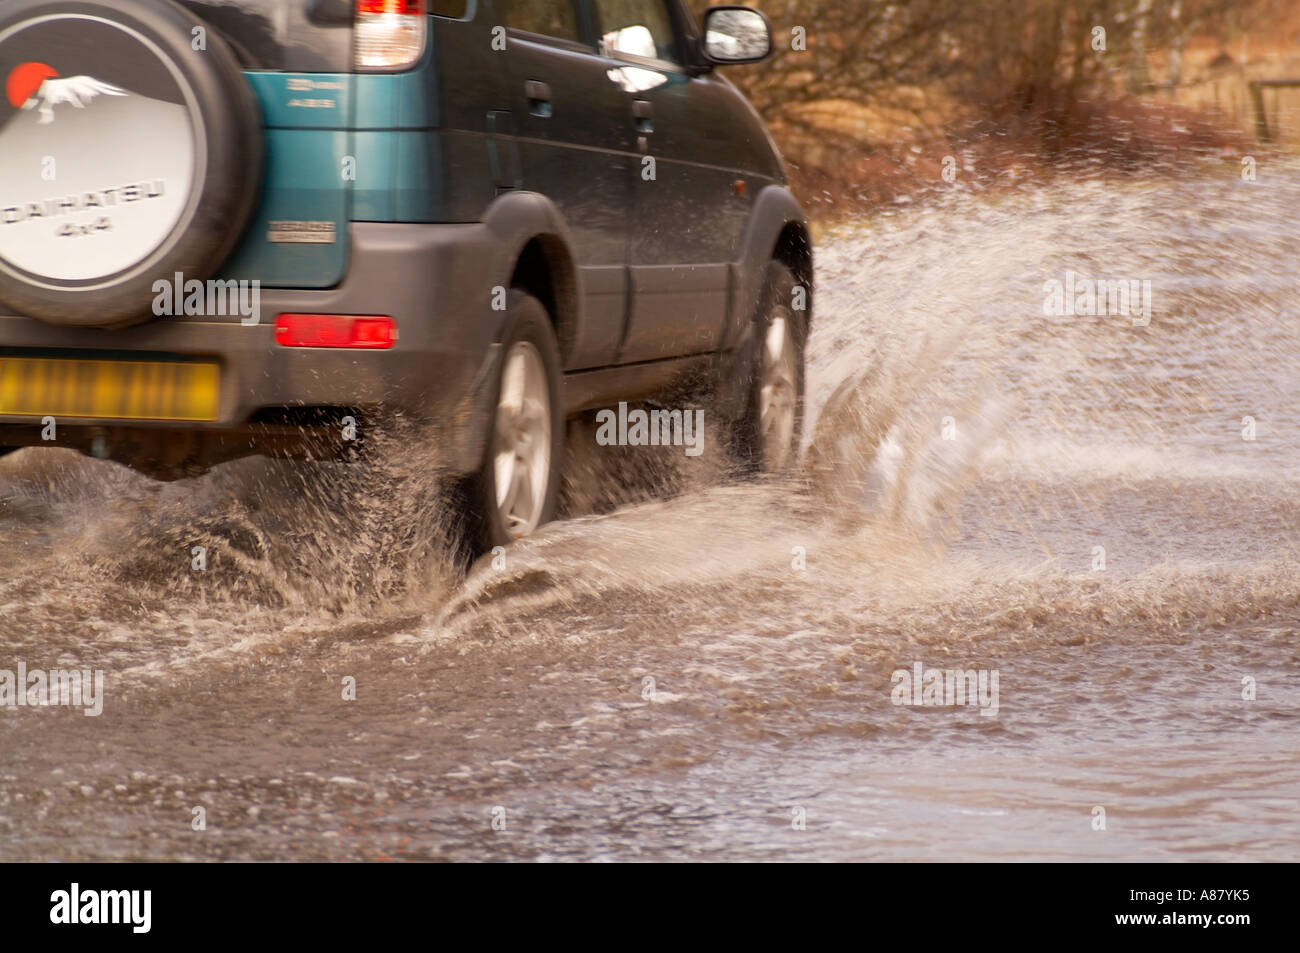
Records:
x=109, y=390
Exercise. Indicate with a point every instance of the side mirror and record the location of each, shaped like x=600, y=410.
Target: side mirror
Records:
x=734, y=34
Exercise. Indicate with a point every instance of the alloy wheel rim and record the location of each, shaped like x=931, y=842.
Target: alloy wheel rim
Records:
x=522, y=443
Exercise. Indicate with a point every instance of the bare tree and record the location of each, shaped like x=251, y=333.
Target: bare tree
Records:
x=1030, y=58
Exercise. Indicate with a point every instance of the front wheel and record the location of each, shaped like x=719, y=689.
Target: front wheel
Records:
x=767, y=435
x=516, y=487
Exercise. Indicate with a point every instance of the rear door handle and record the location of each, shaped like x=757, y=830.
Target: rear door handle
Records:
x=539, y=97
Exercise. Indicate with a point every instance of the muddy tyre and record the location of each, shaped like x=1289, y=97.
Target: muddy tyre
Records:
x=516, y=487
x=767, y=433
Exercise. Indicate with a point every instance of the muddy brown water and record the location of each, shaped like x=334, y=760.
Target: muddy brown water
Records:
x=658, y=679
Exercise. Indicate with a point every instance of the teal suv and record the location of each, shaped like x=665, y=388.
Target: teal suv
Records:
x=229, y=227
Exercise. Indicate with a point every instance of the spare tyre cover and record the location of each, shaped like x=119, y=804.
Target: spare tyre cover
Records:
x=130, y=150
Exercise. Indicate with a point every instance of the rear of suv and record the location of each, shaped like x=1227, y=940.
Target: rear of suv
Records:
x=231, y=227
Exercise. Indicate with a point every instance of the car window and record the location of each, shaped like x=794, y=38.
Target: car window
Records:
x=636, y=28
x=557, y=18
x=279, y=34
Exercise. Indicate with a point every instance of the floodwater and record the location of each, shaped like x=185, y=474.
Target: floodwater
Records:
x=1071, y=502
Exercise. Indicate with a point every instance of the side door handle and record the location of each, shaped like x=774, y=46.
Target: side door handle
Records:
x=643, y=111
x=539, y=97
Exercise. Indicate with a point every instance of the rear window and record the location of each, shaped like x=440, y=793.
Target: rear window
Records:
x=294, y=36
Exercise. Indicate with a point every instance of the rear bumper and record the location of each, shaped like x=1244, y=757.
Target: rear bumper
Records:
x=432, y=279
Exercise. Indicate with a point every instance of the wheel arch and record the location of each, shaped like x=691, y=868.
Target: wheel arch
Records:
x=538, y=257
x=777, y=229
x=794, y=250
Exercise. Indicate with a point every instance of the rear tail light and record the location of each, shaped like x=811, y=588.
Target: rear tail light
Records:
x=366, y=332
x=390, y=33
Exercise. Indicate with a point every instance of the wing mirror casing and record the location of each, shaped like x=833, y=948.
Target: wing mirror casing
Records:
x=735, y=34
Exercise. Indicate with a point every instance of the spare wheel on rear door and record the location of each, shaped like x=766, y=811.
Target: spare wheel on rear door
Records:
x=130, y=151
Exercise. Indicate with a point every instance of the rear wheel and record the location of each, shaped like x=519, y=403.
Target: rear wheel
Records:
x=767, y=434
x=515, y=489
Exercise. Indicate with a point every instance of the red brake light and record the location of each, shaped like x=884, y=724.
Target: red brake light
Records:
x=409, y=8
x=370, y=332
